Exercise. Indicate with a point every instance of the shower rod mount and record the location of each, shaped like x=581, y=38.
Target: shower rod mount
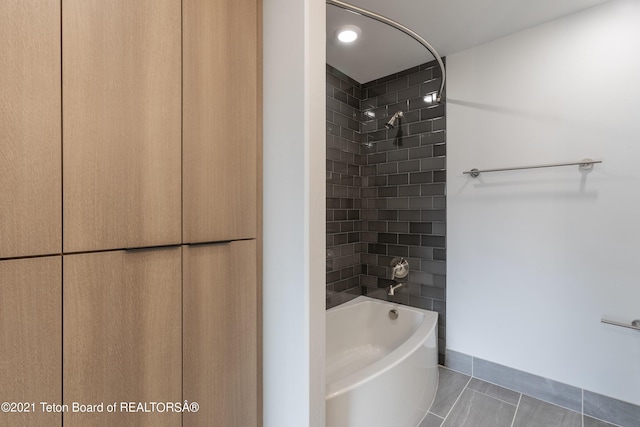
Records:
x=390, y=22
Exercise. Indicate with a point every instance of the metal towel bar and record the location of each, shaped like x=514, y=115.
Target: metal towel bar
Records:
x=634, y=325
x=585, y=164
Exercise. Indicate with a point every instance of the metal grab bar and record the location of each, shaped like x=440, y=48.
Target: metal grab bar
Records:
x=585, y=164
x=634, y=324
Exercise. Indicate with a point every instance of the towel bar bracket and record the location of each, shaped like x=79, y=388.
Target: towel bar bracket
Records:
x=635, y=324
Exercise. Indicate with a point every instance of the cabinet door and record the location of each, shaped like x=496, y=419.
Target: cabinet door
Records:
x=31, y=338
x=221, y=334
x=221, y=107
x=121, y=123
x=30, y=128
x=123, y=334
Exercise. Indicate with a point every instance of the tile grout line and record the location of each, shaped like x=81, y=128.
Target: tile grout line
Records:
x=607, y=422
x=582, y=391
x=516, y=412
x=533, y=397
x=431, y=413
x=435, y=415
x=599, y=419
x=497, y=398
x=595, y=418
x=457, y=399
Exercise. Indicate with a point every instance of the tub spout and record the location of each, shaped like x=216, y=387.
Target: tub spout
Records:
x=392, y=289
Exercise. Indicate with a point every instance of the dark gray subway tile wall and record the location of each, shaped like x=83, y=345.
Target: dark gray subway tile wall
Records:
x=344, y=183
x=402, y=206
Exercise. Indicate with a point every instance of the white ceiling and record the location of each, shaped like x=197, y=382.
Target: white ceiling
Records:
x=450, y=26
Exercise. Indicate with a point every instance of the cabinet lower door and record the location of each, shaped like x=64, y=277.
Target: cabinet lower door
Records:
x=221, y=334
x=30, y=337
x=122, y=336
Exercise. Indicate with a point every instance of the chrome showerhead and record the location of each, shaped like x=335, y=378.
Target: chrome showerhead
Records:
x=392, y=122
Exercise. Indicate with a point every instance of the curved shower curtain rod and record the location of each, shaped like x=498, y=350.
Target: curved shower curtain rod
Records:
x=397, y=26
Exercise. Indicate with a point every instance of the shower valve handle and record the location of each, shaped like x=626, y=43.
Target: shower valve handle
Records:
x=399, y=268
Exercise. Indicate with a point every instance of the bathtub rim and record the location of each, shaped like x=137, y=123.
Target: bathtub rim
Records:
x=395, y=357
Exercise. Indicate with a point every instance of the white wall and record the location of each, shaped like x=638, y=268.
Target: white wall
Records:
x=294, y=213
x=536, y=258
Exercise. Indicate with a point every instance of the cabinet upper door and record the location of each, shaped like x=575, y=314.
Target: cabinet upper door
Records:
x=121, y=123
x=123, y=334
x=221, y=326
x=30, y=337
x=30, y=130
x=221, y=48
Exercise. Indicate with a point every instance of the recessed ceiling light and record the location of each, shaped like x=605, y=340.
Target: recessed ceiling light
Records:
x=348, y=33
x=347, y=36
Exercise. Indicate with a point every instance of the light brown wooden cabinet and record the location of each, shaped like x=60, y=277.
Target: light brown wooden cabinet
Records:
x=30, y=128
x=122, y=123
x=221, y=107
x=150, y=89
x=220, y=312
x=123, y=333
x=30, y=337
x=130, y=124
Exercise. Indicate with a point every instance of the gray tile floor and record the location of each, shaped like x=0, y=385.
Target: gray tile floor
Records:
x=463, y=401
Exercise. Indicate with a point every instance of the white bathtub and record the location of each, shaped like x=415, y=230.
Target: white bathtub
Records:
x=380, y=372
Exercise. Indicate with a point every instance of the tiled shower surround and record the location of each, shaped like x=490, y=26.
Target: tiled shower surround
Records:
x=344, y=183
x=386, y=189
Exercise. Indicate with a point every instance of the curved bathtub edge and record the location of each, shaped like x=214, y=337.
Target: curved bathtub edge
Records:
x=406, y=379
x=398, y=355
